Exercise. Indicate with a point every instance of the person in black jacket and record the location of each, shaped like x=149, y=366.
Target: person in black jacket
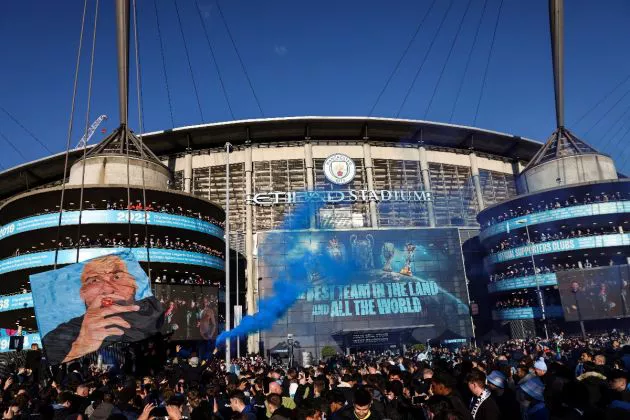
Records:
x=443, y=384
x=361, y=408
x=34, y=360
x=482, y=405
x=275, y=407
x=504, y=396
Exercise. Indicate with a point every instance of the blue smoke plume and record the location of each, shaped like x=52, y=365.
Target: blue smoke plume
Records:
x=306, y=265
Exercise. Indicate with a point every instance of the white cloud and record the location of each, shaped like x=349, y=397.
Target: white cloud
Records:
x=280, y=50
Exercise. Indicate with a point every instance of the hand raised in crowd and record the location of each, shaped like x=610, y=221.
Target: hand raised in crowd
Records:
x=98, y=324
x=174, y=412
x=8, y=383
x=146, y=412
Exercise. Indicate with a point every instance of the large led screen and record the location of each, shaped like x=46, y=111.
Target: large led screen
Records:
x=190, y=311
x=596, y=293
x=405, y=278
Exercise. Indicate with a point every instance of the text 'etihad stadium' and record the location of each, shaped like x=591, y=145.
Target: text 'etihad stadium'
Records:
x=272, y=198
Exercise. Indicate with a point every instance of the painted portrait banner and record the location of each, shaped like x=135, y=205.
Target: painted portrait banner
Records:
x=88, y=305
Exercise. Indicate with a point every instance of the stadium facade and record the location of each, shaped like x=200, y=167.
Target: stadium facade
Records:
x=560, y=250
x=414, y=184
x=116, y=198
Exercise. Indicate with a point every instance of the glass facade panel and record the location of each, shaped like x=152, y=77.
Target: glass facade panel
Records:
x=276, y=176
x=496, y=187
x=402, y=175
x=454, y=199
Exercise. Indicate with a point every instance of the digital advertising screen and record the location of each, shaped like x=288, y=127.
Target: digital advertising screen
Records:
x=595, y=293
x=405, y=278
x=190, y=311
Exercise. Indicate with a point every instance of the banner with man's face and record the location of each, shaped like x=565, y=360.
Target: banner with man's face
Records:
x=88, y=305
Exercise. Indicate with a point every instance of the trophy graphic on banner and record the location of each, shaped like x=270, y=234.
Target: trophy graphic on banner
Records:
x=406, y=270
x=362, y=251
x=387, y=251
x=335, y=249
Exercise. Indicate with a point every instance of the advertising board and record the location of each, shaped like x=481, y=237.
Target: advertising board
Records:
x=587, y=242
x=68, y=256
x=595, y=293
x=110, y=217
x=404, y=278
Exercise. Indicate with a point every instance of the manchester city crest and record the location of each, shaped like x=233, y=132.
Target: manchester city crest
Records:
x=339, y=169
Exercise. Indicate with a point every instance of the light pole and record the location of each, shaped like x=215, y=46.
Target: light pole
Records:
x=290, y=343
x=238, y=339
x=228, y=308
x=541, y=301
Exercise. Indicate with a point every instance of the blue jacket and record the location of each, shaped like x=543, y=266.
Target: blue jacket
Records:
x=538, y=411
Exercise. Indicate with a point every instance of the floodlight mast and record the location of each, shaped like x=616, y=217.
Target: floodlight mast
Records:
x=556, y=23
x=122, y=43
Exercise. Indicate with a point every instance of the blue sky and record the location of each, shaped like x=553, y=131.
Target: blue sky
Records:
x=318, y=58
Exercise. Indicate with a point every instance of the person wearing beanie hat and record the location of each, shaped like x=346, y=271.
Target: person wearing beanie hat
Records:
x=503, y=395
x=496, y=379
x=540, y=367
x=534, y=407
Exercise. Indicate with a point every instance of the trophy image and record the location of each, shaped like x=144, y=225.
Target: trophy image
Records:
x=335, y=249
x=406, y=270
x=362, y=251
x=387, y=251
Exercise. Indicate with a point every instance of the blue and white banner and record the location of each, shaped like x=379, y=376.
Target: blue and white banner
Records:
x=68, y=256
x=14, y=302
x=555, y=214
x=602, y=241
x=528, y=312
x=515, y=283
x=110, y=217
x=83, y=307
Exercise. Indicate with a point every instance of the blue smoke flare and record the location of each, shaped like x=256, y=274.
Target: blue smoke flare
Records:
x=310, y=261
x=306, y=265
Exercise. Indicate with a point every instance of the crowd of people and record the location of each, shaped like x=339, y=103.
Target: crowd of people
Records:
x=515, y=302
x=137, y=206
x=544, y=205
x=521, y=239
x=524, y=269
x=193, y=279
x=120, y=241
x=561, y=378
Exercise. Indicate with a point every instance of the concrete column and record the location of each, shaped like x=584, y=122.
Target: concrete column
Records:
x=426, y=181
x=474, y=170
x=188, y=171
x=252, y=287
x=310, y=178
x=369, y=172
x=308, y=162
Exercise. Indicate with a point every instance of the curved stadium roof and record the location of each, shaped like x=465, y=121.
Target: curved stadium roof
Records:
x=49, y=169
